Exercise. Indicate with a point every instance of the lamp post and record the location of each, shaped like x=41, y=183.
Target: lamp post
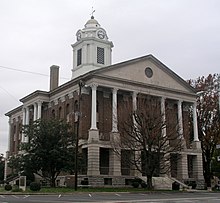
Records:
x=219, y=93
x=81, y=85
x=2, y=162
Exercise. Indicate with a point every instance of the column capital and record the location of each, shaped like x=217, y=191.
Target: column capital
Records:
x=134, y=94
x=39, y=102
x=94, y=86
x=62, y=99
x=55, y=101
x=70, y=95
x=163, y=98
x=49, y=104
x=180, y=101
x=9, y=120
x=114, y=90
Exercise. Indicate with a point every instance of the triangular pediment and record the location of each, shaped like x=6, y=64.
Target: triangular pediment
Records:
x=139, y=71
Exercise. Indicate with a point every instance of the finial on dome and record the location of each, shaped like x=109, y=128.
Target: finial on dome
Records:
x=93, y=11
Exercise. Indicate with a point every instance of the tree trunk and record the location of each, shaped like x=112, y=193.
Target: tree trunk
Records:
x=53, y=179
x=53, y=182
x=149, y=182
x=207, y=173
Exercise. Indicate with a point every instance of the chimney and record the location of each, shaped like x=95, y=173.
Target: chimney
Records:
x=54, y=77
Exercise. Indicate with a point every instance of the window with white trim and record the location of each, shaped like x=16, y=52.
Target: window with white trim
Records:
x=100, y=55
x=79, y=57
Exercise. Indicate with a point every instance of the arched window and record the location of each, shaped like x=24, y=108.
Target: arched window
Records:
x=67, y=109
x=53, y=113
x=76, y=106
x=60, y=113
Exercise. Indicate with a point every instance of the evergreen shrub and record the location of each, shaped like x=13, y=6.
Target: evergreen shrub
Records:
x=8, y=187
x=34, y=186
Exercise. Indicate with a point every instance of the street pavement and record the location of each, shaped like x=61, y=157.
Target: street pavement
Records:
x=154, y=197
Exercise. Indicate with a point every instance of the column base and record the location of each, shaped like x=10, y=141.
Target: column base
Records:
x=115, y=137
x=196, y=145
x=182, y=167
x=93, y=159
x=115, y=163
x=198, y=167
x=93, y=135
x=115, y=159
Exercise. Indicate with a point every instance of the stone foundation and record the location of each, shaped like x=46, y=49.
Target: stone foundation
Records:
x=106, y=181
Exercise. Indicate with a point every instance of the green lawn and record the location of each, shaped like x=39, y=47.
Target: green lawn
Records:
x=63, y=190
x=71, y=190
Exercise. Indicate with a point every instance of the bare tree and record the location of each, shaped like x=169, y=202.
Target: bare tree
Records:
x=148, y=138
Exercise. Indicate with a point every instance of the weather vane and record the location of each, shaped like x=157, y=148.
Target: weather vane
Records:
x=93, y=11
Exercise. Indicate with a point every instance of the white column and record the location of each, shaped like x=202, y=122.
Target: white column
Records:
x=93, y=115
x=27, y=121
x=39, y=106
x=9, y=134
x=180, y=118
x=27, y=116
x=35, y=111
x=137, y=152
x=23, y=122
x=5, y=169
x=134, y=101
x=24, y=116
x=163, y=114
x=195, y=127
x=134, y=106
x=114, y=111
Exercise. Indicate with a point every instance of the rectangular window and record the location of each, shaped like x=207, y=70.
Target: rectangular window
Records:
x=79, y=57
x=100, y=55
x=107, y=181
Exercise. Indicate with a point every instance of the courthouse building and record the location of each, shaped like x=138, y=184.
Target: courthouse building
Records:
x=103, y=88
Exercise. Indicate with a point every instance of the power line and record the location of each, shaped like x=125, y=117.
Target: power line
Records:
x=9, y=93
x=26, y=71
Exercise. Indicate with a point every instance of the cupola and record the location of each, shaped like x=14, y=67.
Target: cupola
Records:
x=92, y=49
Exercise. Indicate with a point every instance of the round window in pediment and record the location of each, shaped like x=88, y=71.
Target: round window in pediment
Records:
x=148, y=72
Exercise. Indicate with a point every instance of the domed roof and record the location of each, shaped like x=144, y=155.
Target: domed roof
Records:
x=92, y=29
x=92, y=23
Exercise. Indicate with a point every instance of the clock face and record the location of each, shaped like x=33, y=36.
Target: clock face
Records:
x=79, y=35
x=101, y=34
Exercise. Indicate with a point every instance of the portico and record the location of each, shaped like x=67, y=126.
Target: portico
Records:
x=95, y=143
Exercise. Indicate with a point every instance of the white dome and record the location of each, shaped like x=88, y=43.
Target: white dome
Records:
x=92, y=29
x=92, y=23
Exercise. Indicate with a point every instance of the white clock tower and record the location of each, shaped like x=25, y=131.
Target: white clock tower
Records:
x=92, y=50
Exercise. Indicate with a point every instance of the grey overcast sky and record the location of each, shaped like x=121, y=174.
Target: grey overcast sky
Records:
x=35, y=34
